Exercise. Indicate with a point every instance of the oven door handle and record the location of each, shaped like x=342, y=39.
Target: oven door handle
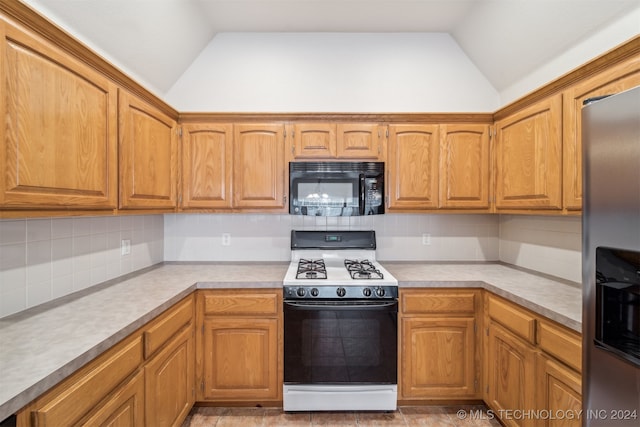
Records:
x=329, y=305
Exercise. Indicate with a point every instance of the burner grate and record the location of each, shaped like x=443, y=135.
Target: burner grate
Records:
x=311, y=269
x=362, y=269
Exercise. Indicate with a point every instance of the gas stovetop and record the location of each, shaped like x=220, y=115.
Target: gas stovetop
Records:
x=336, y=265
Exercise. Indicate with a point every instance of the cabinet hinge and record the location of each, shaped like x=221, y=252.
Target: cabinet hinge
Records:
x=202, y=386
x=475, y=385
x=293, y=149
x=284, y=199
x=180, y=132
x=387, y=133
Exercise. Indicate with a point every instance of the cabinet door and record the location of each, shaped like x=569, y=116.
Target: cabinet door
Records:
x=359, y=141
x=438, y=358
x=169, y=382
x=207, y=165
x=559, y=391
x=511, y=370
x=464, y=166
x=314, y=140
x=258, y=166
x=413, y=166
x=529, y=157
x=617, y=79
x=240, y=360
x=59, y=128
x=125, y=408
x=148, y=155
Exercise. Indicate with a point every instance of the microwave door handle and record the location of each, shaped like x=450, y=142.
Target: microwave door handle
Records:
x=362, y=195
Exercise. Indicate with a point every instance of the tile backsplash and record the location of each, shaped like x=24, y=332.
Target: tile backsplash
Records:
x=43, y=259
x=199, y=237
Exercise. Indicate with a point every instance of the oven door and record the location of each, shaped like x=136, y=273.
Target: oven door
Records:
x=340, y=342
x=326, y=194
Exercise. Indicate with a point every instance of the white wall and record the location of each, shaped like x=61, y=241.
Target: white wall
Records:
x=333, y=72
x=551, y=245
x=598, y=43
x=46, y=258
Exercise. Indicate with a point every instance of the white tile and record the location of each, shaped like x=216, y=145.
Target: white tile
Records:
x=39, y=252
x=81, y=253
x=61, y=286
x=61, y=227
x=38, y=293
x=81, y=226
x=81, y=279
x=98, y=274
x=13, y=231
x=113, y=270
x=13, y=301
x=12, y=279
x=98, y=225
x=38, y=229
x=13, y=256
x=126, y=222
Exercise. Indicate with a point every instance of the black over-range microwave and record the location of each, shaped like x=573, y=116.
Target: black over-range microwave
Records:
x=336, y=188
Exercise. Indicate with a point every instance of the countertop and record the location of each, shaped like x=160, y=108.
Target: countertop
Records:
x=42, y=346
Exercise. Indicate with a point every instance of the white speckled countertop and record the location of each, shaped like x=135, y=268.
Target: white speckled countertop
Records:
x=41, y=347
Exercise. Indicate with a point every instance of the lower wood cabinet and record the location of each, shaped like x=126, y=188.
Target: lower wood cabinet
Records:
x=240, y=349
x=146, y=379
x=439, y=351
x=532, y=367
x=510, y=379
x=169, y=382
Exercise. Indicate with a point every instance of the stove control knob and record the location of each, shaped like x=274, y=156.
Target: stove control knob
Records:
x=300, y=292
x=314, y=292
x=366, y=292
x=341, y=292
x=380, y=292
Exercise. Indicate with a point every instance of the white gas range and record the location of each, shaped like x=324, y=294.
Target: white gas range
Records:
x=340, y=323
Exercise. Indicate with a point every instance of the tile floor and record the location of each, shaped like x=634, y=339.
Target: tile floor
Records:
x=406, y=416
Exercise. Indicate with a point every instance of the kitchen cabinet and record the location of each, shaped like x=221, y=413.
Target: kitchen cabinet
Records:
x=334, y=141
x=59, y=127
x=259, y=167
x=531, y=364
x=464, y=166
x=148, y=143
x=104, y=389
x=240, y=350
x=170, y=369
x=146, y=379
x=412, y=167
x=439, y=350
x=207, y=165
x=528, y=166
x=621, y=77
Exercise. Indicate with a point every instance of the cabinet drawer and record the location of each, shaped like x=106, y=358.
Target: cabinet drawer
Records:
x=167, y=326
x=562, y=344
x=437, y=302
x=87, y=389
x=513, y=318
x=237, y=303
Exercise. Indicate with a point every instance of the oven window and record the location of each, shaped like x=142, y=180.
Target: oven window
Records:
x=325, y=193
x=618, y=302
x=340, y=346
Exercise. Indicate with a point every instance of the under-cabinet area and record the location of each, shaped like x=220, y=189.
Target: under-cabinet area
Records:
x=222, y=346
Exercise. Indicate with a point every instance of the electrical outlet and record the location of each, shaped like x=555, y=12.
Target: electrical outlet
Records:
x=426, y=239
x=125, y=247
x=226, y=239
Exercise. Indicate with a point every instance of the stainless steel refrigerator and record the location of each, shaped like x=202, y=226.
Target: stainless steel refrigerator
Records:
x=611, y=260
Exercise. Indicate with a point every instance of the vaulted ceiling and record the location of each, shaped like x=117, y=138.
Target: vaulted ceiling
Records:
x=157, y=40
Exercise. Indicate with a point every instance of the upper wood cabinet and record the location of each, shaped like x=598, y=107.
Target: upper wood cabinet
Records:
x=617, y=79
x=207, y=165
x=529, y=157
x=362, y=141
x=59, y=127
x=148, y=155
x=313, y=140
x=412, y=167
x=259, y=170
x=464, y=166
